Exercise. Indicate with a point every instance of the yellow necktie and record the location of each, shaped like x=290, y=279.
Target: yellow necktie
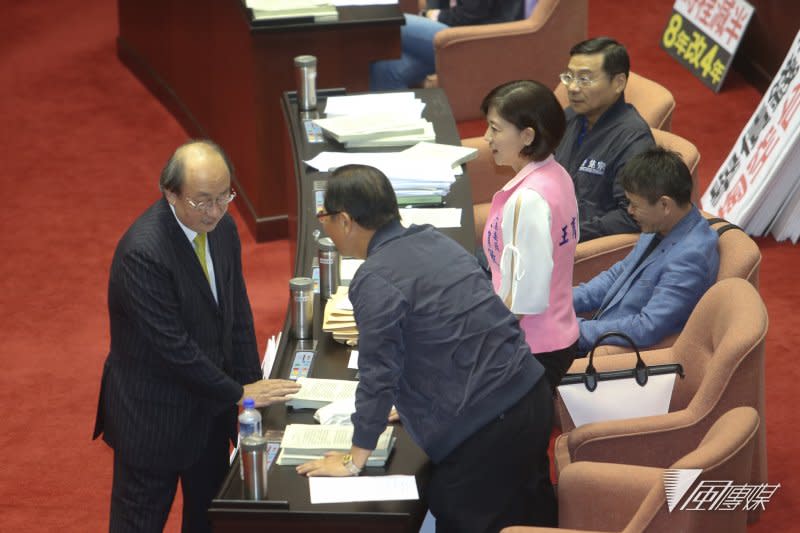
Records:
x=200, y=250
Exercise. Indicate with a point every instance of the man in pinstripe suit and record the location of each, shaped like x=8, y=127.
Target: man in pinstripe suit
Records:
x=183, y=348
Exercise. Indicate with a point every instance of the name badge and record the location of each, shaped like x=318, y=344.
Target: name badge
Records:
x=593, y=166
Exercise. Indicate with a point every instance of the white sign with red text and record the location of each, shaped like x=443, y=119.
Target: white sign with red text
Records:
x=759, y=177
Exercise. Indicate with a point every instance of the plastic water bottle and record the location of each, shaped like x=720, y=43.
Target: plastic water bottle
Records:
x=249, y=426
x=249, y=420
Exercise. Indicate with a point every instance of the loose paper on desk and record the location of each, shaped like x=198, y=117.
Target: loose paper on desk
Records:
x=353, y=361
x=385, y=140
x=349, y=127
x=269, y=355
x=362, y=489
x=343, y=302
x=348, y=268
x=336, y=413
x=315, y=392
x=455, y=155
x=395, y=165
x=439, y=217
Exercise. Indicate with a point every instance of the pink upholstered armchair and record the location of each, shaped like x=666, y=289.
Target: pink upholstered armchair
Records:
x=722, y=352
x=632, y=499
x=471, y=60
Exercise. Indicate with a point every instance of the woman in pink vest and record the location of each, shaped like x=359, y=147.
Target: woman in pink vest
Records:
x=530, y=235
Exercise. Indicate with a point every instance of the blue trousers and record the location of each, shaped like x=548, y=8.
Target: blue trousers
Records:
x=417, y=59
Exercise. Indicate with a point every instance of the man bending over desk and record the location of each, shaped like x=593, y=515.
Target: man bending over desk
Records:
x=435, y=340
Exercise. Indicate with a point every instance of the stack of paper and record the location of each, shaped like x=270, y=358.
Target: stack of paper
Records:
x=411, y=176
x=454, y=155
x=317, y=10
x=306, y=442
x=338, y=318
x=376, y=120
x=374, y=104
x=315, y=393
x=387, y=128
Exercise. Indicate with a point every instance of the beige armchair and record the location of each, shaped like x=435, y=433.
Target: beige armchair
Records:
x=614, y=497
x=471, y=60
x=722, y=353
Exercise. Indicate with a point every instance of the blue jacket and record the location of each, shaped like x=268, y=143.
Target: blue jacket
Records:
x=656, y=299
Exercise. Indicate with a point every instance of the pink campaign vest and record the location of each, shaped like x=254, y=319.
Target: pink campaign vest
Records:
x=556, y=328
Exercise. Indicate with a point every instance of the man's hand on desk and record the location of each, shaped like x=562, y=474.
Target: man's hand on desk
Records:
x=268, y=391
x=333, y=464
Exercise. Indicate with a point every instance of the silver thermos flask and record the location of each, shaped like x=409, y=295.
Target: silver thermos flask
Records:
x=306, y=68
x=302, y=302
x=328, y=259
x=253, y=449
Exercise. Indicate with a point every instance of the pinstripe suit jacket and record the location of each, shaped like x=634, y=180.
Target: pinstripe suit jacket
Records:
x=177, y=358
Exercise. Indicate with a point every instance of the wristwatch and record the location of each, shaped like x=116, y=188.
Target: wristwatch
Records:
x=347, y=462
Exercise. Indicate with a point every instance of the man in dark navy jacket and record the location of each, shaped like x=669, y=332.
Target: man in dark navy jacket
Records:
x=183, y=348
x=603, y=133
x=436, y=341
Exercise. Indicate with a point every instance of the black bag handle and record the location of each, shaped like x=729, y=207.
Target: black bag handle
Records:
x=639, y=371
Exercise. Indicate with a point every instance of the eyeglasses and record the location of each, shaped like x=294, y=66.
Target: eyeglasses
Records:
x=581, y=81
x=205, y=205
x=327, y=214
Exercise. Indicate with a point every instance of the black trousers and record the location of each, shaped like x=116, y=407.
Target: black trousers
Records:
x=500, y=476
x=141, y=498
x=557, y=363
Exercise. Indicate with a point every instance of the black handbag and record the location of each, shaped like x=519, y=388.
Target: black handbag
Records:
x=640, y=372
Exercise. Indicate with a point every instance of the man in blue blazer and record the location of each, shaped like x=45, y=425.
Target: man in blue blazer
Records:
x=651, y=293
x=183, y=347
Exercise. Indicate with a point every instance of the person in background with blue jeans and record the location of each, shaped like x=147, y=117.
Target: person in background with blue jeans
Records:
x=416, y=37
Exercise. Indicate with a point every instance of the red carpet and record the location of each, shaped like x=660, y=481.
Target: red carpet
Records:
x=83, y=143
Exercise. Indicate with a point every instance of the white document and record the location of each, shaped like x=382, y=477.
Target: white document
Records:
x=388, y=140
x=315, y=392
x=362, y=489
x=617, y=398
x=368, y=104
x=455, y=155
x=353, y=361
x=439, y=217
x=314, y=438
x=352, y=127
x=348, y=267
x=343, y=304
x=336, y=413
x=269, y=355
x=397, y=167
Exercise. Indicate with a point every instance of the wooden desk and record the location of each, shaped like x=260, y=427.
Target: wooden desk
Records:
x=229, y=512
x=223, y=78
